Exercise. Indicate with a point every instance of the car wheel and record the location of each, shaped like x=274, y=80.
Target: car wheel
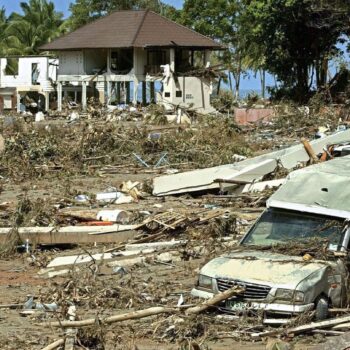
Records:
x=321, y=309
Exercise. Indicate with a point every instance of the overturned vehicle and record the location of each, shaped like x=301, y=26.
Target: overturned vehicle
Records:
x=295, y=258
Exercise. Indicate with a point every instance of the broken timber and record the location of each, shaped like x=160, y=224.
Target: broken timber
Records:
x=218, y=298
x=73, y=234
x=306, y=328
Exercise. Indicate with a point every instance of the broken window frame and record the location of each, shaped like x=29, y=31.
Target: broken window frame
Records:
x=12, y=66
x=35, y=73
x=122, y=61
x=155, y=59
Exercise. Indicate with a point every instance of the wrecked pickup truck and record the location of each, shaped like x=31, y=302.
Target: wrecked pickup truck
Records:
x=294, y=259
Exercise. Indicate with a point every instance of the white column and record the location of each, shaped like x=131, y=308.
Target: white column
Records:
x=172, y=60
x=83, y=95
x=18, y=103
x=109, y=92
x=47, y=101
x=59, y=96
x=136, y=88
x=207, y=55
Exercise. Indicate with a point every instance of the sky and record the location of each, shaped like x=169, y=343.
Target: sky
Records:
x=62, y=5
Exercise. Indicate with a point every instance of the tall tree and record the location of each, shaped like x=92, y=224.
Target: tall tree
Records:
x=218, y=19
x=3, y=34
x=38, y=24
x=296, y=37
x=85, y=11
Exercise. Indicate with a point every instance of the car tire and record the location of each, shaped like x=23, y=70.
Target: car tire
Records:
x=321, y=309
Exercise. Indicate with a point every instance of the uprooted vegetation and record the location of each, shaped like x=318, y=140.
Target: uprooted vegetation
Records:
x=85, y=148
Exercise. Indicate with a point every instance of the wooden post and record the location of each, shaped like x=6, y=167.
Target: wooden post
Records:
x=309, y=150
x=144, y=93
x=118, y=92
x=152, y=91
x=127, y=100
x=54, y=345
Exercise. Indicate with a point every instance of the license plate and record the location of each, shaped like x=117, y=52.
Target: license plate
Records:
x=236, y=305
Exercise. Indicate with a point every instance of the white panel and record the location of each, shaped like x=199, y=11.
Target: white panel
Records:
x=71, y=63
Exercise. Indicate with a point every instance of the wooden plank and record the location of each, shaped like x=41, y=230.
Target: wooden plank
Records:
x=69, y=235
x=307, y=327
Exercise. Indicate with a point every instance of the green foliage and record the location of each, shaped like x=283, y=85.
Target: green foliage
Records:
x=295, y=37
x=214, y=18
x=11, y=66
x=85, y=11
x=219, y=19
x=39, y=24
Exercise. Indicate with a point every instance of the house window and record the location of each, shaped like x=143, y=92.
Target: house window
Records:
x=167, y=94
x=35, y=74
x=156, y=57
x=11, y=66
x=178, y=93
x=122, y=61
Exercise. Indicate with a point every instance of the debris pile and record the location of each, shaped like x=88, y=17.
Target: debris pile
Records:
x=107, y=221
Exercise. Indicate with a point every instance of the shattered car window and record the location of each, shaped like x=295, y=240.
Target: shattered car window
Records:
x=279, y=227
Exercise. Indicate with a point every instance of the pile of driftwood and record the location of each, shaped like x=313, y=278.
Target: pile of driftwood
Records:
x=186, y=310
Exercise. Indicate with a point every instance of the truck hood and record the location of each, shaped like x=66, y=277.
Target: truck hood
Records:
x=263, y=268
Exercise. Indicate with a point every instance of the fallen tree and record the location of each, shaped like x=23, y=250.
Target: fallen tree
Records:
x=153, y=311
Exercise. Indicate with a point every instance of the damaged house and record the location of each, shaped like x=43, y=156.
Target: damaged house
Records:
x=26, y=75
x=127, y=52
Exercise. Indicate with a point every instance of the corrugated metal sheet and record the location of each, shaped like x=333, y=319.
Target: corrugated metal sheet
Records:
x=131, y=29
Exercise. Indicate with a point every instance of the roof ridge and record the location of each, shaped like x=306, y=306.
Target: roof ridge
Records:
x=184, y=27
x=140, y=26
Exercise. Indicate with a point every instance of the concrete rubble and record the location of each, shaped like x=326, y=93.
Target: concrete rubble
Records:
x=249, y=170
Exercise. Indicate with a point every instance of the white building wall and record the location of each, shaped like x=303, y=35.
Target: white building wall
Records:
x=71, y=63
x=192, y=92
x=24, y=77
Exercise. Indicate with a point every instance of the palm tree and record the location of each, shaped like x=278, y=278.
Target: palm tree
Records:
x=39, y=24
x=3, y=34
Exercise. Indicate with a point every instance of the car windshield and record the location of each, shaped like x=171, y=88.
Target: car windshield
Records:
x=280, y=227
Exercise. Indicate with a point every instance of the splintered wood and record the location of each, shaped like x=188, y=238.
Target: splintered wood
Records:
x=151, y=311
x=168, y=219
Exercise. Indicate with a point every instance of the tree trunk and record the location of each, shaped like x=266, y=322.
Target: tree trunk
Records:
x=324, y=71
x=218, y=89
x=237, y=77
x=262, y=73
x=230, y=80
x=302, y=88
